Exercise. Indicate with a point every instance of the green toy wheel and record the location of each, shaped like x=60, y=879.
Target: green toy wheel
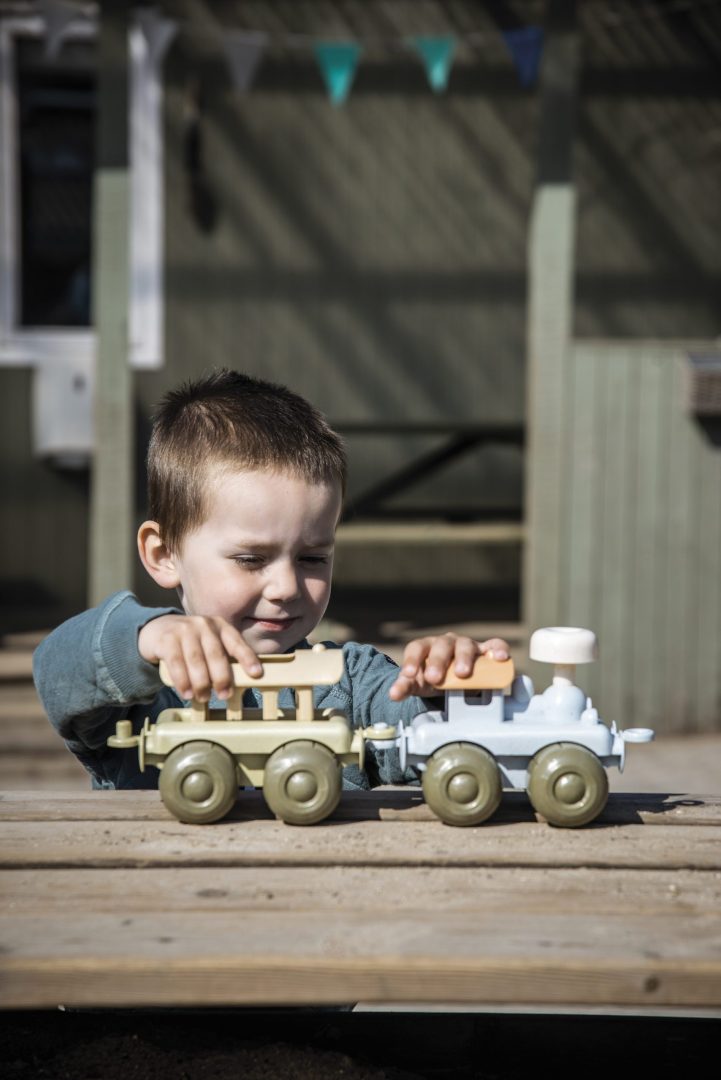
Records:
x=198, y=782
x=567, y=784
x=302, y=782
x=462, y=784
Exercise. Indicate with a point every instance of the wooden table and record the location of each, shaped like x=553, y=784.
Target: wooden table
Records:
x=108, y=901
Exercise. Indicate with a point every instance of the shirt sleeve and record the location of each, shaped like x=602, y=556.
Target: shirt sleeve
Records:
x=89, y=668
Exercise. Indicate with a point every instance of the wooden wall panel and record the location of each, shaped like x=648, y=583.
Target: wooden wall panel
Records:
x=639, y=538
x=43, y=521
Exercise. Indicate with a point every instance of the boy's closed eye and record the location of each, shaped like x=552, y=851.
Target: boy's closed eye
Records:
x=250, y=561
x=257, y=561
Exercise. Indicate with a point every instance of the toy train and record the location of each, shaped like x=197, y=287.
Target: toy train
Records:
x=493, y=733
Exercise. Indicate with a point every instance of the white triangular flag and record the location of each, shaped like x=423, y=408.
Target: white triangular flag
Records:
x=158, y=32
x=244, y=50
x=57, y=16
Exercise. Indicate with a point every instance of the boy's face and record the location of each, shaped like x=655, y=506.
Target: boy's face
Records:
x=263, y=557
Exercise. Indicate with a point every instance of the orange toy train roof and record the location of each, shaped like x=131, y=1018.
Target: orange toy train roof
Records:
x=487, y=674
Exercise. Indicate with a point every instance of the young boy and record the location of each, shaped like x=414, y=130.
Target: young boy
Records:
x=245, y=485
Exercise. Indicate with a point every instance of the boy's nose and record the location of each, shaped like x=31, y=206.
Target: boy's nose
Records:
x=282, y=584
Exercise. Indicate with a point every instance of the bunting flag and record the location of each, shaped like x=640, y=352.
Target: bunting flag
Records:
x=244, y=50
x=158, y=33
x=437, y=56
x=337, y=61
x=57, y=16
x=525, y=46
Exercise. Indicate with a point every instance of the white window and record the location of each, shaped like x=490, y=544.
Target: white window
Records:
x=47, y=125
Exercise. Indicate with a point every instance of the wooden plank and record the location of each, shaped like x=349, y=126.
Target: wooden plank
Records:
x=392, y=843
x=53, y=771
x=20, y=701
x=363, y=533
x=112, y=481
x=679, y=627
x=381, y=804
x=613, y=599
x=15, y=664
x=579, y=538
x=550, y=261
x=646, y=692
x=549, y=320
x=182, y=958
x=31, y=736
x=708, y=586
x=514, y=890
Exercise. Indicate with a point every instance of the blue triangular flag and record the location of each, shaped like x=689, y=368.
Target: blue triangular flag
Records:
x=437, y=56
x=337, y=61
x=525, y=45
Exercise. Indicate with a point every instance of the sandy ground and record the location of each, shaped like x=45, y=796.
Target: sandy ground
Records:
x=325, y=1046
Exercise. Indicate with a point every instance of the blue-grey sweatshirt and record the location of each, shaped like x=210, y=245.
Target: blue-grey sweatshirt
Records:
x=89, y=674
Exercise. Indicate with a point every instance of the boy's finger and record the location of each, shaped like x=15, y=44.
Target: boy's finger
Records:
x=495, y=647
x=465, y=656
x=241, y=651
x=217, y=661
x=187, y=677
x=439, y=658
x=198, y=675
x=414, y=655
x=178, y=674
x=402, y=688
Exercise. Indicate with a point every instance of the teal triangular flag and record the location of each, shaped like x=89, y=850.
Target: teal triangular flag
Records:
x=337, y=61
x=437, y=56
x=525, y=46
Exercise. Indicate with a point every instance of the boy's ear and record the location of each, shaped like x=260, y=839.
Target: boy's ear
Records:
x=155, y=557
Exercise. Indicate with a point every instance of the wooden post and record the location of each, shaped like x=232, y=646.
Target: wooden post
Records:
x=112, y=495
x=550, y=315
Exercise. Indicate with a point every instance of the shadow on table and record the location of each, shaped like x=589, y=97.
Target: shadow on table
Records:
x=408, y=804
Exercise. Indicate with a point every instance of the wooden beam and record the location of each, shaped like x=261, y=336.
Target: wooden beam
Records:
x=550, y=314
x=112, y=495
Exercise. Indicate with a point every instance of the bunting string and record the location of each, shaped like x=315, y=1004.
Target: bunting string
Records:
x=337, y=60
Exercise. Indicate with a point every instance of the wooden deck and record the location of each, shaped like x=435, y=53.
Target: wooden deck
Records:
x=108, y=901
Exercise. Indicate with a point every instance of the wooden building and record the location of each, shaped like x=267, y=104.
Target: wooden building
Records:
x=494, y=292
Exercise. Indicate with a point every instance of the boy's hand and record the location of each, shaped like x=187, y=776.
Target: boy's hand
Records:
x=198, y=651
x=426, y=662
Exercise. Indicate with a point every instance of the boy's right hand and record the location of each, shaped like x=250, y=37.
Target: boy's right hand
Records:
x=198, y=651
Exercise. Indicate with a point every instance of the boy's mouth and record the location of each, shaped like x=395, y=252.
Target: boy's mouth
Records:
x=272, y=625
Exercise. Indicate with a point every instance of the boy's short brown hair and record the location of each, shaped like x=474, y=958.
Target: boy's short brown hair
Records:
x=230, y=419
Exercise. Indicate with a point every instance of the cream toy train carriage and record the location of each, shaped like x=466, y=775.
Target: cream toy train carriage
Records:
x=295, y=755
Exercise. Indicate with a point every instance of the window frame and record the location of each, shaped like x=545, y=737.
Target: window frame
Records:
x=37, y=347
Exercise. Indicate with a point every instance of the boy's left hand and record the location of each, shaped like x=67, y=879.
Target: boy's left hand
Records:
x=427, y=661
